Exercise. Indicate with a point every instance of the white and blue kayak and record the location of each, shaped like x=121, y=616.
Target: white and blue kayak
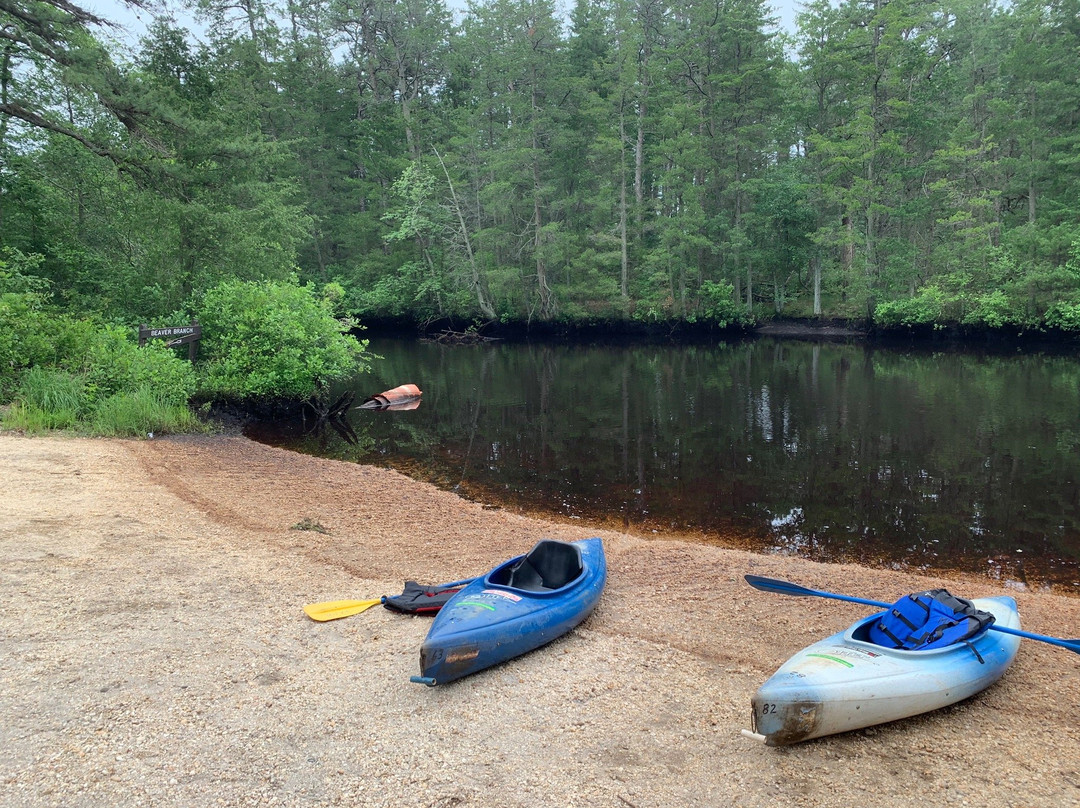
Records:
x=846, y=682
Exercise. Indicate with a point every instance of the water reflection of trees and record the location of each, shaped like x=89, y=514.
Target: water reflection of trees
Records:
x=830, y=451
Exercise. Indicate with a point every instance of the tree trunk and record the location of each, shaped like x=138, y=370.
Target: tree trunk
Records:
x=624, y=253
x=547, y=301
x=5, y=82
x=482, y=302
x=750, y=285
x=639, y=162
x=639, y=147
x=406, y=109
x=815, y=264
x=367, y=78
x=847, y=256
x=432, y=273
x=1031, y=199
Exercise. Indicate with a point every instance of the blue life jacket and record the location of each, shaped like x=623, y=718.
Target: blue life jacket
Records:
x=931, y=619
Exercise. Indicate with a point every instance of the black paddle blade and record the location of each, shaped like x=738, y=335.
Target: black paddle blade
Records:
x=788, y=588
x=780, y=587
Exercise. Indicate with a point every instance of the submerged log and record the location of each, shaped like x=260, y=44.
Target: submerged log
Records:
x=342, y=405
x=403, y=397
x=334, y=415
x=470, y=337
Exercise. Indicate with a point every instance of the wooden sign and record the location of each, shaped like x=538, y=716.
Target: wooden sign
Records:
x=174, y=335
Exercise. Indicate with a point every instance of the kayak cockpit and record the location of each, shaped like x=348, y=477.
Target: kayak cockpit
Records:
x=548, y=566
x=861, y=634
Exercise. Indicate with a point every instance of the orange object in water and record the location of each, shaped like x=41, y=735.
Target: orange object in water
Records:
x=403, y=397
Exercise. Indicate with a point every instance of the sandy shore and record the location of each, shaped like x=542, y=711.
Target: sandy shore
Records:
x=154, y=653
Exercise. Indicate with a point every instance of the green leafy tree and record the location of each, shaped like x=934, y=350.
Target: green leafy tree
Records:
x=420, y=220
x=273, y=340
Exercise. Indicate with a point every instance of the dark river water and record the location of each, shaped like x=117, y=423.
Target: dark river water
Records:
x=837, y=452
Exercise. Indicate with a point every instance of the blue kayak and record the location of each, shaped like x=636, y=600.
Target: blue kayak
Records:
x=520, y=605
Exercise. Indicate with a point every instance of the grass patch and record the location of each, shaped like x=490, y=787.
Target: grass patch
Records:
x=24, y=417
x=142, y=413
x=307, y=523
x=51, y=390
x=46, y=399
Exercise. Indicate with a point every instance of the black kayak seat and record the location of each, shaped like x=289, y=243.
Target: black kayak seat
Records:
x=548, y=565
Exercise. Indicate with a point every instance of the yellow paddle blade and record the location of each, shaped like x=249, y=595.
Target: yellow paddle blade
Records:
x=333, y=609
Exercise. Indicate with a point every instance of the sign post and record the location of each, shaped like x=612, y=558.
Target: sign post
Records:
x=174, y=335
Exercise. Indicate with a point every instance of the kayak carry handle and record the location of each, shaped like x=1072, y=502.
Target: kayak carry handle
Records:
x=423, y=680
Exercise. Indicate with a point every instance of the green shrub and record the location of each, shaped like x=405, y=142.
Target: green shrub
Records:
x=1065, y=316
x=273, y=340
x=22, y=295
x=19, y=273
x=24, y=336
x=925, y=308
x=60, y=369
x=719, y=306
x=48, y=398
x=105, y=355
x=993, y=310
x=113, y=363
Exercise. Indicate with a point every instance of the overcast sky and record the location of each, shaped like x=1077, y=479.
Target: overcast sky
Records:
x=134, y=22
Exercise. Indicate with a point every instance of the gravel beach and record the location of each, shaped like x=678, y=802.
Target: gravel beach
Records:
x=155, y=653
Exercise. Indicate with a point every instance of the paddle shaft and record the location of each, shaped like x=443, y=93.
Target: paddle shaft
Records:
x=788, y=588
x=452, y=584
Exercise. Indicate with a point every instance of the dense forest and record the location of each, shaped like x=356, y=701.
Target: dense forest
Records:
x=909, y=163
